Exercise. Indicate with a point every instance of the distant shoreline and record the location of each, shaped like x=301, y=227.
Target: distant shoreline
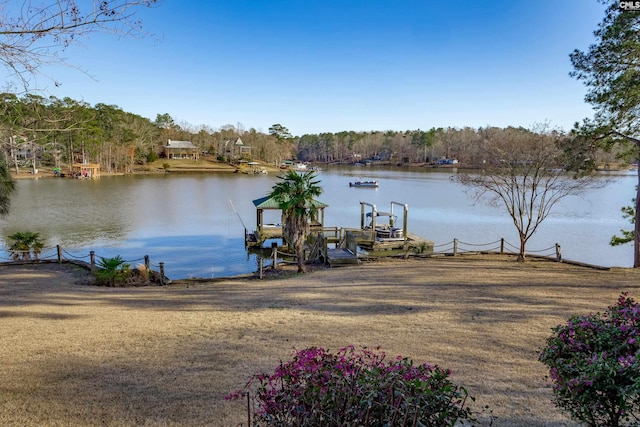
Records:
x=155, y=168
x=212, y=166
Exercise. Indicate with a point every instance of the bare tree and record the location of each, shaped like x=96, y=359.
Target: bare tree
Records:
x=34, y=32
x=524, y=172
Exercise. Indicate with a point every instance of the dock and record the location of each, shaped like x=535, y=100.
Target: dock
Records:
x=380, y=234
x=341, y=256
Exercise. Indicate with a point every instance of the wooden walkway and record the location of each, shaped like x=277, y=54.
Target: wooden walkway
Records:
x=341, y=256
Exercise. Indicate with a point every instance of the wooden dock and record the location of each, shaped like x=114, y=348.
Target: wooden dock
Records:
x=341, y=256
x=340, y=245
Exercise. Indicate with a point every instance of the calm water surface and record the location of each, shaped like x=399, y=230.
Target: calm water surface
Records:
x=188, y=221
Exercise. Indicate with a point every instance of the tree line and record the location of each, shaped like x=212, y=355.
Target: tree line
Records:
x=37, y=130
x=469, y=146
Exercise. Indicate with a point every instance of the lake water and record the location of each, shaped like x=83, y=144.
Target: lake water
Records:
x=188, y=221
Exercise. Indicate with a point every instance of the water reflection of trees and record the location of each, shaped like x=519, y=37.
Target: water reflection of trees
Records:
x=69, y=212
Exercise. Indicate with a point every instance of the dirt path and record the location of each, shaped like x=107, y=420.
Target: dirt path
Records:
x=83, y=355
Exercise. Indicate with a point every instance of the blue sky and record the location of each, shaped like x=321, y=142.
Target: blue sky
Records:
x=334, y=65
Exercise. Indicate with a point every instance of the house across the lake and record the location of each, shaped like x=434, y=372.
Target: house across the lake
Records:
x=234, y=149
x=181, y=150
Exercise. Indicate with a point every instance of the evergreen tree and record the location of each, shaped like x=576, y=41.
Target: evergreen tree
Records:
x=610, y=69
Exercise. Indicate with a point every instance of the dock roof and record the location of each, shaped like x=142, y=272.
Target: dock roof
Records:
x=269, y=203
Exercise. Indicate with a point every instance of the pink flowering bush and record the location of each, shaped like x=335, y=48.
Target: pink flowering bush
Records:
x=594, y=364
x=355, y=388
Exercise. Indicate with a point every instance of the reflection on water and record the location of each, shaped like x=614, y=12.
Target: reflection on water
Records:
x=69, y=211
x=187, y=222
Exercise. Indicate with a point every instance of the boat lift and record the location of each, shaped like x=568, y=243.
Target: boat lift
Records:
x=388, y=231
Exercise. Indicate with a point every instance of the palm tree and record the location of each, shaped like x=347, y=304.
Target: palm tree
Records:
x=295, y=195
x=112, y=271
x=25, y=243
x=7, y=186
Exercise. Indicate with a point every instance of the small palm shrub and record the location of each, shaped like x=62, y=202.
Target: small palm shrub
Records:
x=594, y=364
x=112, y=271
x=355, y=388
x=25, y=245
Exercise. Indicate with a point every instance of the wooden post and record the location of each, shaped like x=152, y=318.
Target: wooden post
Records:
x=59, y=250
x=92, y=257
x=274, y=253
x=558, y=253
x=455, y=247
x=146, y=262
x=260, y=266
x=405, y=226
x=502, y=246
x=162, y=273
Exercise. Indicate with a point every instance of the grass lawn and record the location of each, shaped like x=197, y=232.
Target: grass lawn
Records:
x=82, y=355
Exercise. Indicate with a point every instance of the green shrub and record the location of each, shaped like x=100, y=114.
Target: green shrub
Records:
x=151, y=156
x=112, y=271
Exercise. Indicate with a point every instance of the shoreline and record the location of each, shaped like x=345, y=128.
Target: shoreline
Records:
x=155, y=168
x=210, y=166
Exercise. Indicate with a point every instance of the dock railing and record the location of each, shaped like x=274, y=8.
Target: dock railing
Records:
x=319, y=246
x=332, y=234
x=351, y=242
x=359, y=234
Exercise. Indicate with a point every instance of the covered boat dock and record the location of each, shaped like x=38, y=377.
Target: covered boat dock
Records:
x=85, y=170
x=265, y=231
x=381, y=233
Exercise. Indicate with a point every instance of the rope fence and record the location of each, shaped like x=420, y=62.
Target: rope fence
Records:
x=452, y=248
x=501, y=246
x=60, y=255
x=274, y=257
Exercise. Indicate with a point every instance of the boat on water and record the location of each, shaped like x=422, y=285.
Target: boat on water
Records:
x=297, y=166
x=369, y=184
x=300, y=166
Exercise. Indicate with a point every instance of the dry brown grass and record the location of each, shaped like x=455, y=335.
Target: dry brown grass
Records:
x=84, y=355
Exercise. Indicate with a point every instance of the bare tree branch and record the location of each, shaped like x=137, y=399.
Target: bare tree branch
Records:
x=34, y=32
